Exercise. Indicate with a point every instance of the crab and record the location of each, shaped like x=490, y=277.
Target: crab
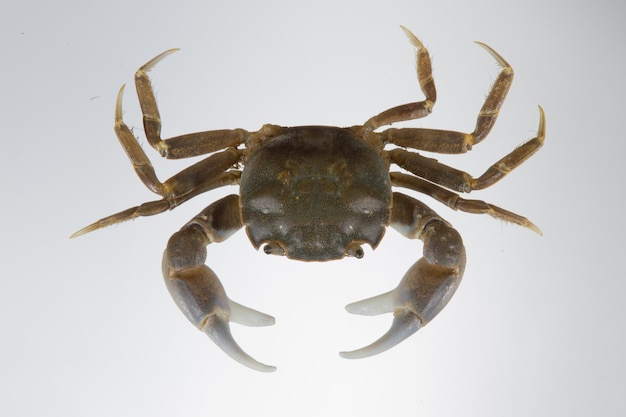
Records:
x=319, y=193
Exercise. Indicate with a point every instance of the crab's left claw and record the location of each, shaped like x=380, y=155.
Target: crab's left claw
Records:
x=196, y=289
x=426, y=287
x=201, y=297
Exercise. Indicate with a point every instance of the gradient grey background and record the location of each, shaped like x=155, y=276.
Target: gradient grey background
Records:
x=87, y=326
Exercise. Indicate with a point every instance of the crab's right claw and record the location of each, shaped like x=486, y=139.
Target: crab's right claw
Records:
x=202, y=299
x=404, y=324
x=426, y=287
x=421, y=295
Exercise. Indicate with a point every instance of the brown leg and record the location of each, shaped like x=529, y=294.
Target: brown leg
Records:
x=460, y=181
x=200, y=177
x=144, y=169
x=209, y=173
x=414, y=110
x=442, y=141
x=159, y=206
x=455, y=202
x=184, y=146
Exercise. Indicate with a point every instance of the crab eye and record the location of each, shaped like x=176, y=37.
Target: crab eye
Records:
x=273, y=248
x=355, y=250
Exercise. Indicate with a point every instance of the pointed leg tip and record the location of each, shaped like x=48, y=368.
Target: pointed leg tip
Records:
x=541, y=131
x=76, y=234
x=501, y=61
x=535, y=229
x=118, y=104
x=414, y=39
x=83, y=231
x=150, y=64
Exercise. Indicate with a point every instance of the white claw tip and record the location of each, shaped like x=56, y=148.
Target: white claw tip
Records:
x=379, y=304
x=405, y=323
x=218, y=330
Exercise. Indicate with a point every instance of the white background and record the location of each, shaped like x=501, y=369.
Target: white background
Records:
x=87, y=326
